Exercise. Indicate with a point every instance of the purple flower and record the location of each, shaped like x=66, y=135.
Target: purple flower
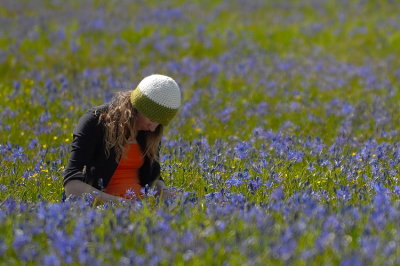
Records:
x=351, y=261
x=242, y=149
x=343, y=194
x=20, y=239
x=51, y=260
x=324, y=240
x=3, y=216
x=3, y=188
x=237, y=199
x=9, y=205
x=278, y=194
x=164, y=15
x=225, y=114
x=3, y=247
x=221, y=225
x=310, y=167
x=389, y=248
x=131, y=194
x=233, y=182
x=17, y=85
x=148, y=191
x=285, y=249
x=255, y=184
x=63, y=244
x=295, y=155
x=369, y=245
x=33, y=143
x=44, y=117
x=97, y=24
x=396, y=190
x=18, y=153
x=347, y=109
x=187, y=238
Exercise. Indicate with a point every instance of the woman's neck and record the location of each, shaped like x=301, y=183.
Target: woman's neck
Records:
x=132, y=140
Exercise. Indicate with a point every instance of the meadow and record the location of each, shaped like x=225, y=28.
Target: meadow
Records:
x=286, y=150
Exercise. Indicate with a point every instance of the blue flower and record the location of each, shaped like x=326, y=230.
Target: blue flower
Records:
x=97, y=24
x=3, y=247
x=131, y=194
x=233, y=182
x=225, y=114
x=242, y=149
x=220, y=225
x=396, y=190
x=9, y=205
x=352, y=261
x=51, y=260
x=369, y=245
x=3, y=188
x=278, y=194
x=187, y=238
x=255, y=184
x=295, y=155
x=20, y=239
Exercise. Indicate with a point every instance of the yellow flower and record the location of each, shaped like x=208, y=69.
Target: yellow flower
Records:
x=29, y=81
x=55, y=137
x=353, y=154
x=44, y=146
x=66, y=140
x=373, y=155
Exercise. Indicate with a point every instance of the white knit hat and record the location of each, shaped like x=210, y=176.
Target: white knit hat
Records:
x=157, y=97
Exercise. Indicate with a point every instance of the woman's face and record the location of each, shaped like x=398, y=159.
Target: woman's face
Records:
x=143, y=123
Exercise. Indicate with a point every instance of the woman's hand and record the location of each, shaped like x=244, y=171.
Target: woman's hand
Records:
x=163, y=191
x=167, y=193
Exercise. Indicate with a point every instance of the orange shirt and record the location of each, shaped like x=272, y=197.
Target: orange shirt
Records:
x=126, y=176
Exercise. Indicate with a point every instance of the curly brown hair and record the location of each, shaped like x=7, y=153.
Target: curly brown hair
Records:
x=119, y=122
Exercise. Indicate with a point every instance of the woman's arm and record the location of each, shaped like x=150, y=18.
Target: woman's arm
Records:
x=86, y=136
x=78, y=188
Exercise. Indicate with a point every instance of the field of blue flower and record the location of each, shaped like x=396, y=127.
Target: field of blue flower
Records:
x=286, y=149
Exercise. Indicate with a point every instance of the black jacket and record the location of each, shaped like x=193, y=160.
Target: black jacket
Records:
x=88, y=161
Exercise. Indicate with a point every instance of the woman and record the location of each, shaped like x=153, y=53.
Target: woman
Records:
x=115, y=148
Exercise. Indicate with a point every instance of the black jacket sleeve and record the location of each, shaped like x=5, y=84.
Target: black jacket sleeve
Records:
x=86, y=136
